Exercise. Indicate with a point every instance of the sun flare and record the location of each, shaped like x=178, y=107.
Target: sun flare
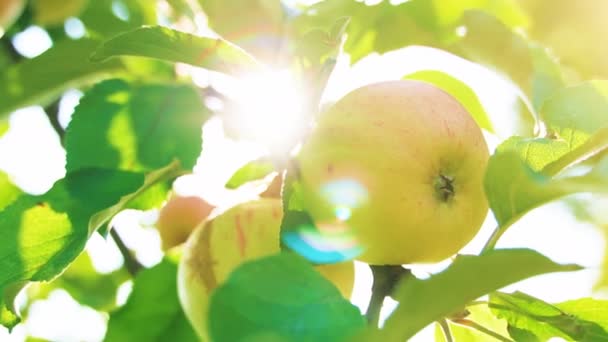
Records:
x=268, y=108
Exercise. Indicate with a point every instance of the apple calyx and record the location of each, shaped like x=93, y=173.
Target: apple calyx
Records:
x=444, y=187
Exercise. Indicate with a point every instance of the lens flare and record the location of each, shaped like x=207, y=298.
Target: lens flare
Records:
x=344, y=195
x=321, y=248
x=331, y=240
x=268, y=108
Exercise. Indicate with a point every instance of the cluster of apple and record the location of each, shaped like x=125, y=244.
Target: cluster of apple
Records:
x=414, y=149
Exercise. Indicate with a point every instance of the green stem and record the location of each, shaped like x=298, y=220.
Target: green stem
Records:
x=497, y=234
x=491, y=243
x=373, y=309
x=385, y=279
x=445, y=328
x=482, y=329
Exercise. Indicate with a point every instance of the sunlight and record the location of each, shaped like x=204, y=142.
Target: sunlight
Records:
x=268, y=108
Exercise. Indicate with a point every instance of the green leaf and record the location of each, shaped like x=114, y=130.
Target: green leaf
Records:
x=101, y=21
x=513, y=188
x=281, y=295
x=254, y=170
x=575, y=113
x=589, y=309
x=384, y=27
x=545, y=321
x=8, y=311
x=591, y=150
x=8, y=191
x=175, y=46
x=468, y=278
x=7, y=318
x=537, y=153
x=153, y=311
x=133, y=200
x=65, y=65
x=118, y=125
x=459, y=90
x=489, y=41
x=41, y=235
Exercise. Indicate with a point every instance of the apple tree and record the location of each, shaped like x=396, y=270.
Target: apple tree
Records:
x=389, y=175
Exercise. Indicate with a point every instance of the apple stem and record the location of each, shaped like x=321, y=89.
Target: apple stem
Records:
x=386, y=277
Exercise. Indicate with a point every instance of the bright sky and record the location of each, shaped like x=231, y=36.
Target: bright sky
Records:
x=36, y=164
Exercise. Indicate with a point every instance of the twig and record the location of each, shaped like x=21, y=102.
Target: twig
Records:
x=482, y=329
x=385, y=280
x=132, y=265
x=445, y=328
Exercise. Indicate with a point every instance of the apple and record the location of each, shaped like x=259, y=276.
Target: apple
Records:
x=9, y=12
x=178, y=218
x=401, y=165
x=244, y=232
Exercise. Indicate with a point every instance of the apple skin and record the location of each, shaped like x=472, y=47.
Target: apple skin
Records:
x=242, y=233
x=9, y=12
x=420, y=159
x=178, y=218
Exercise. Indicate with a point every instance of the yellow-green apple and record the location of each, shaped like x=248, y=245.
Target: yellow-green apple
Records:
x=401, y=165
x=244, y=232
x=178, y=218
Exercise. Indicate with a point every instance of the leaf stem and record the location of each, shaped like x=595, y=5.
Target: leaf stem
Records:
x=386, y=278
x=482, y=329
x=445, y=328
x=131, y=264
x=497, y=234
x=491, y=243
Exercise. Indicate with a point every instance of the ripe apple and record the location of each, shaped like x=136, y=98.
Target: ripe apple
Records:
x=178, y=218
x=9, y=12
x=245, y=232
x=406, y=162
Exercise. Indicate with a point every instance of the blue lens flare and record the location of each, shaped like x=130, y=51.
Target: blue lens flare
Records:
x=344, y=193
x=331, y=240
x=320, y=248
